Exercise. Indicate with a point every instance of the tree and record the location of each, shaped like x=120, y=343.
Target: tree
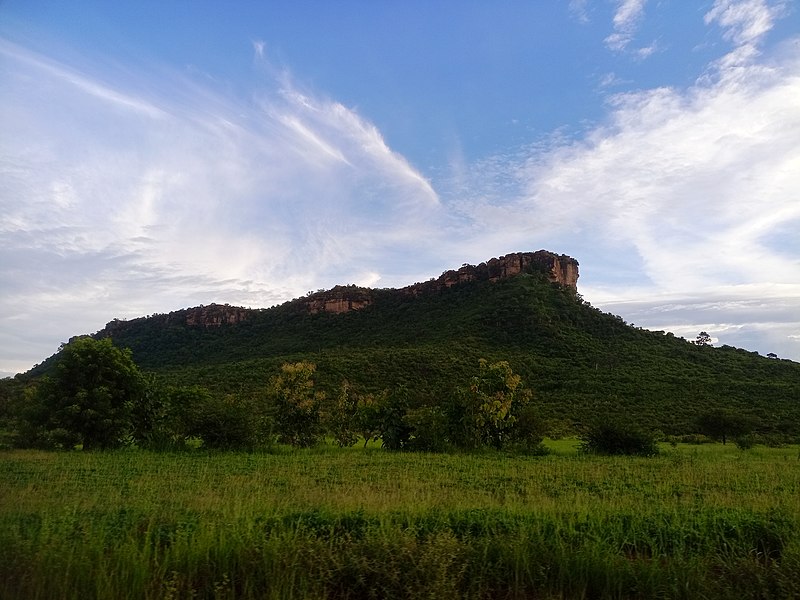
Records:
x=340, y=416
x=486, y=410
x=352, y=414
x=90, y=395
x=297, y=405
x=368, y=416
x=616, y=438
x=721, y=424
x=703, y=339
x=222, y=423
x=395, y=429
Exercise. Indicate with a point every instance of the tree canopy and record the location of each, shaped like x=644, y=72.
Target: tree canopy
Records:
x=90, y=396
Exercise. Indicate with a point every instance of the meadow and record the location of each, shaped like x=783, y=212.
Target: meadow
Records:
x=705, y=521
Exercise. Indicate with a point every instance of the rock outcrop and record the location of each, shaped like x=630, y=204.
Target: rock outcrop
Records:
x=559, y=269
x=339, y=299
x=215, y=315
x=212, y=315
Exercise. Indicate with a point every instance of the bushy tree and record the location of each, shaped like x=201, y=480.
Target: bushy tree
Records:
x=720, y=424
x=222, y=423
x=368, y=416
x=340, y=413
x=352, y=414
x=703, y=339
x=613, y=437
x=485, y=411
x=395, y=429
x=429, y=429
x=297, y=405
x=90, y=396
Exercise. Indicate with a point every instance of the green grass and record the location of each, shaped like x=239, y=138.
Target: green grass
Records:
x=708, y=521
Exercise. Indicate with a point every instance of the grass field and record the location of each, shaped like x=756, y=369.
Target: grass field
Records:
x=695, y=522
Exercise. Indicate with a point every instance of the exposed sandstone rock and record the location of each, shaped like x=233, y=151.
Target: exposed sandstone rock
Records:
x=339, y=299
x=215, y=315
x=560, y=269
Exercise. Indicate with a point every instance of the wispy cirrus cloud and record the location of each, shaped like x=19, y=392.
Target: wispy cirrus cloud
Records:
x=627, y=17
x=119, y=201
x=745, y=22
x=579, y=10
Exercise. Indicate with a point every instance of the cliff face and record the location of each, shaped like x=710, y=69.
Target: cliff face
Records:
x=213, y=315
x=339, y=299
x=560, y=269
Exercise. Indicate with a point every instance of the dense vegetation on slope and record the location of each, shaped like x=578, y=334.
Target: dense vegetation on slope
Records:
x=580, y=363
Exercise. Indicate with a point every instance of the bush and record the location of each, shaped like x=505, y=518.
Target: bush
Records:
x=614, y=438
x=745, y=442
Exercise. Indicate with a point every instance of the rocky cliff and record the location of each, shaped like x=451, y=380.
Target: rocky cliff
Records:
x=559, y=269
x=212, y=315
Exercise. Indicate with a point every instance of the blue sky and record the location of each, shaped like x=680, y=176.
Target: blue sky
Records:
x=159, y=155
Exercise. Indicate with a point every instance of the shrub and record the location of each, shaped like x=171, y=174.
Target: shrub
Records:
x=615, y=438
x=745, y=442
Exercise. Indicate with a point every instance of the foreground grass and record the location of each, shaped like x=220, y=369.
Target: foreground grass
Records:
x=714, y=523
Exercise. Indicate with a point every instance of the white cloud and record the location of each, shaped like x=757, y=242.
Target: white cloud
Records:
x=682, y=206
x=579, y=9
x=744, y=21
x=258, y=48
x=119, y=202
x=627, y=17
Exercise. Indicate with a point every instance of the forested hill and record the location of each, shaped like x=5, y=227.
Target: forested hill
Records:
x=580, y=363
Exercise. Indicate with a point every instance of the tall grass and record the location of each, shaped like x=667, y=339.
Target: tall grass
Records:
x=369, y=524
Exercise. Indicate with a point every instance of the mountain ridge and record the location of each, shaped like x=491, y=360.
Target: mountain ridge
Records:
x=559, y=269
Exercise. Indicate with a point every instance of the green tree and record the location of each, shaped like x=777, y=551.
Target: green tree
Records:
x=395, y=429
x=297, y=405
x=485, y=411
x=614, y=437
x=222, y=423
x=90, y=395
x=720, y=424
x=703, y=339
x=368, y=416
x=340, y=415
x=352, y=414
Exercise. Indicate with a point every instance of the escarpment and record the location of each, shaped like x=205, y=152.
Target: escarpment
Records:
x=557, y=268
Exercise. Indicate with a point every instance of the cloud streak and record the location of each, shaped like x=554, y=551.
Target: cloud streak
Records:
x=626, y=20
x=138, y=202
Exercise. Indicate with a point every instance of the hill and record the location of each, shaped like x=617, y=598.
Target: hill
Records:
x=524, y=308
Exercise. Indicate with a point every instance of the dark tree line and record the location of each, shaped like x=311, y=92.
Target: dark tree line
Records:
x=96, y=397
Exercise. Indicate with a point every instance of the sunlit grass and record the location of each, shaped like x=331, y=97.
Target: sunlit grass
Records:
x=337, y=522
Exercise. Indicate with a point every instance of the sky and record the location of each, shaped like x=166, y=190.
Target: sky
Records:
x=161, y=155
